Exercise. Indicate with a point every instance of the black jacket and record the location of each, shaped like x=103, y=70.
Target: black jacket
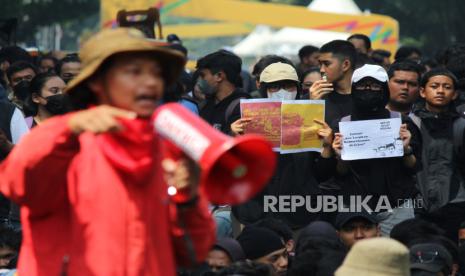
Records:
x=337, y=106
x=441, y=179
x=384, y=176
x=216, y=113
x=6, y=113
x=295, y=174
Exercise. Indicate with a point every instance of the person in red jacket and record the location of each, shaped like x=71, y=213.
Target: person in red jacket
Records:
x=92, y=184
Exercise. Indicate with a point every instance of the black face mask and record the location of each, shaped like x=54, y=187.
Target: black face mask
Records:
x=66, y=80
x=21, y=90
x=57, y=104
x=367, y=100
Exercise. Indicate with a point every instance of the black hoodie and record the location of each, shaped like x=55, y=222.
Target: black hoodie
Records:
x=296, y=174
x=215, y=113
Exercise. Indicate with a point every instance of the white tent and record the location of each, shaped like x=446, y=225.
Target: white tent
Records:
x=334, y=6
x=287, y=41
x=255, y=41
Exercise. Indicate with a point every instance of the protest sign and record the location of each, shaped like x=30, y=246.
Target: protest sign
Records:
x=298, y=130
x=371, y=139
x=266, y=119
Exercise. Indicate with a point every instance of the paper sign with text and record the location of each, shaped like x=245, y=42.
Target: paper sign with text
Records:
x=371, y=139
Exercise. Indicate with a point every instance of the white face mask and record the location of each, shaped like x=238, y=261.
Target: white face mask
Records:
x=282, y=95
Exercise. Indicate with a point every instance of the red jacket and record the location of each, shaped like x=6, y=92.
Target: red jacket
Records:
x=98, y=205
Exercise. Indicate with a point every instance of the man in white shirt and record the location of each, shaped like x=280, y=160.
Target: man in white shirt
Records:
x=12, y=127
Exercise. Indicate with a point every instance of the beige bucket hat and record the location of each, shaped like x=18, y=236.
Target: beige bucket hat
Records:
x=376, y=257
x=106, y=43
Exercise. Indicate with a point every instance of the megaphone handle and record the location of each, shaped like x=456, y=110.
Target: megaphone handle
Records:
x=233, y=164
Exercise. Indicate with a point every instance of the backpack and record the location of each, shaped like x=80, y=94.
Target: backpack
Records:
x=230, y=109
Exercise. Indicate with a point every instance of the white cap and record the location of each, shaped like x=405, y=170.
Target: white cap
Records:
x=369, y=70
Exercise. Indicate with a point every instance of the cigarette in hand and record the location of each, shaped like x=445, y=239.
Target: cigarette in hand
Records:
x=324, y=77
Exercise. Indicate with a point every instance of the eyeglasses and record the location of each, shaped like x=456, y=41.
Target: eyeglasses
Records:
x=275, y=87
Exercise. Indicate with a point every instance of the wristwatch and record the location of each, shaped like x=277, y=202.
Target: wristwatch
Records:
x=408, y=151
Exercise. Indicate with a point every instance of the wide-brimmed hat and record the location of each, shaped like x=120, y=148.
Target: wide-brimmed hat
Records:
x=376, y=257
x=109, y=42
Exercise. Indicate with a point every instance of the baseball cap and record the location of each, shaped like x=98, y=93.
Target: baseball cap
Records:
x=344, y=217
x=430, y=257
x=369, y=70
x=277, y=72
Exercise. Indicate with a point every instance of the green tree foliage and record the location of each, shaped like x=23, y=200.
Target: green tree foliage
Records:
x=428, y=24
x=33, y=14
x=431, y=25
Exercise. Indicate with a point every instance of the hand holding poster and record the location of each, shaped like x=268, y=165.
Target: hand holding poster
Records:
x=371, y=139
x=288, y=125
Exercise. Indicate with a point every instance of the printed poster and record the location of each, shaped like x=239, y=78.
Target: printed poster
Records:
x=266, y=119
x=371, y=139
x=298, y=130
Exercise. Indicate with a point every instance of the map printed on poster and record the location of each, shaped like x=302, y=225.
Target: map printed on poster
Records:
x=371, y=139
x=266, y=119
x=298, y=130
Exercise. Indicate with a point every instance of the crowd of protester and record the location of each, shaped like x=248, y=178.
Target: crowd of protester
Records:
x=357, y=83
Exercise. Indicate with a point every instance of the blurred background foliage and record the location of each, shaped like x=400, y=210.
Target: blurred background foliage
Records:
x=430, y=25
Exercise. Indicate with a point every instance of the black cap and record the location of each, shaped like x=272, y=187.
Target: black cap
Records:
x=231, y=247
x=258, y=242
x=430, y=257
x=344, y=217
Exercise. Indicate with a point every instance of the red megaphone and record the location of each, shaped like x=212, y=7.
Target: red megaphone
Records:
x=233, y=169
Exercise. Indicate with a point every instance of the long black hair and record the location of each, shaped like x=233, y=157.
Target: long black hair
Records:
x=35, y=86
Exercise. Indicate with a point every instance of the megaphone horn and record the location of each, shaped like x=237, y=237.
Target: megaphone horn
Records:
x=233, y=169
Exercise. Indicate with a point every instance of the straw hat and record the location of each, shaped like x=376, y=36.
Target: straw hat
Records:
x=97, y=49
x=376, y=257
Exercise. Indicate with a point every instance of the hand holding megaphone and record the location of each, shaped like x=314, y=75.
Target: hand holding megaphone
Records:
x=233, y=170
x=182, y=176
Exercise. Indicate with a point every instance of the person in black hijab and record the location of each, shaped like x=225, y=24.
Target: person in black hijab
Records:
x=380, y=178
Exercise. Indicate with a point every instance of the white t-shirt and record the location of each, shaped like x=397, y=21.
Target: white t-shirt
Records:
x=18, y=126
